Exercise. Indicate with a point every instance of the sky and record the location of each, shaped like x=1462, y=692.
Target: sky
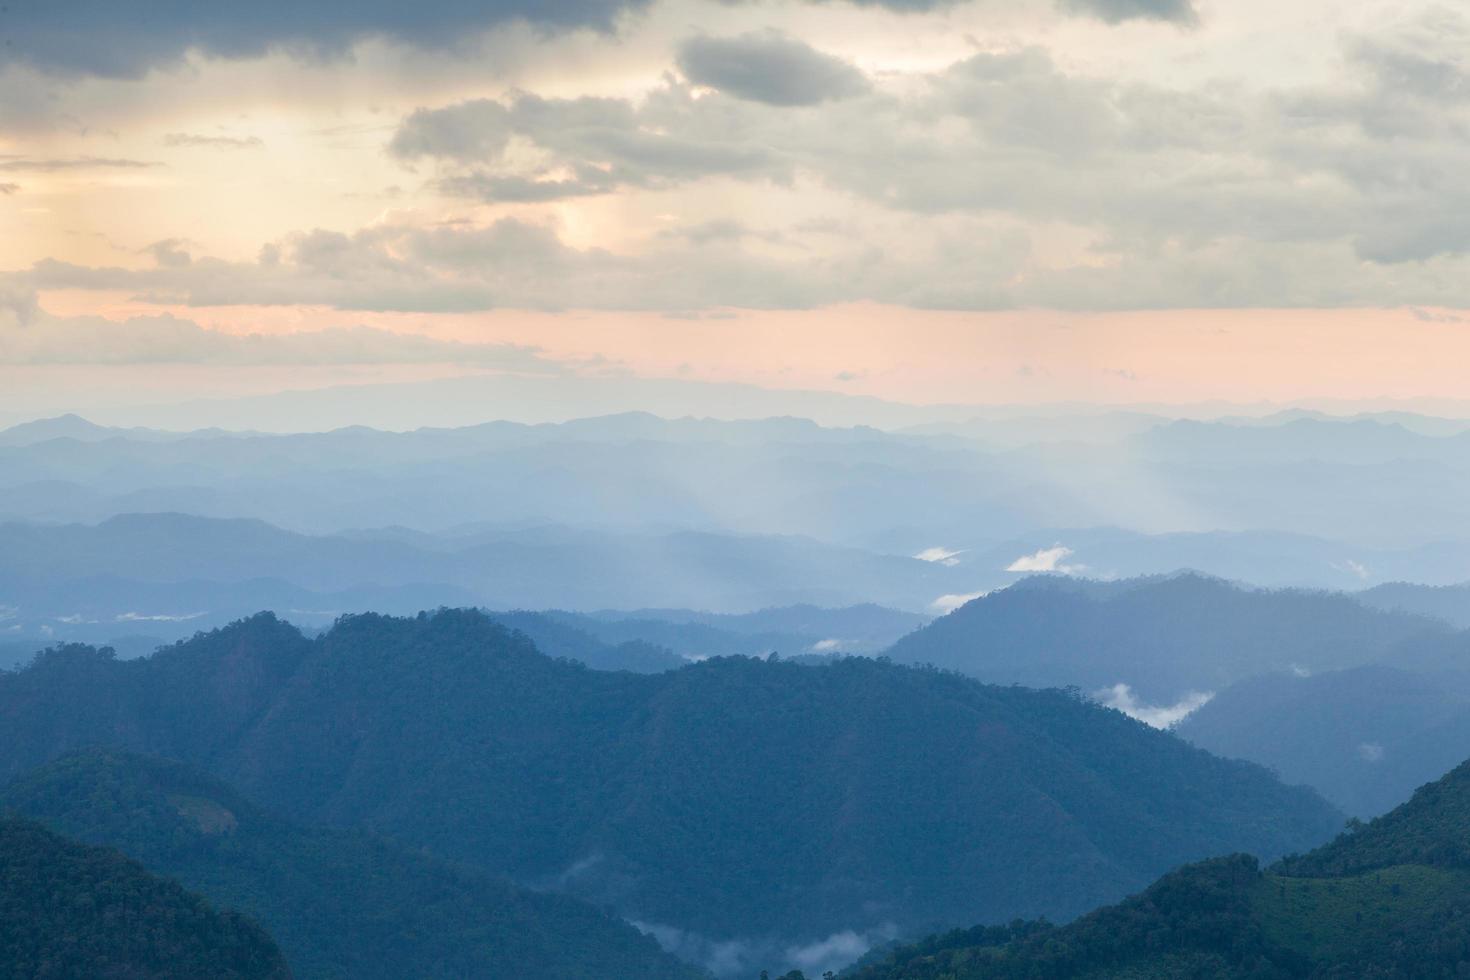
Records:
x=926, y=201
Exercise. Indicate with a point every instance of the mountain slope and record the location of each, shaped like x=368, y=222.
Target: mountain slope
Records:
x=340, y=903
x=69, y=910
x=1391, y=899
x=1164, y=636
x=733, y=799
x=1364, y=737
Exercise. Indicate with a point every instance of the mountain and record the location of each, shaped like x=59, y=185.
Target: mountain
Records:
x=50, y=573
x=658, y=639
x=1450, y=603
x=1391, y=899
x=1163, y=637
x=1169, y=495
x=731, y=807
x=340, y=903
x=1364, y=738
x=69, y=910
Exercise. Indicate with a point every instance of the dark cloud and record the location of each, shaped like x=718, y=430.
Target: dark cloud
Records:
x=212, y=142
x=769, y=67
x=1117, y=11
x=8, y=189
x=126, y=38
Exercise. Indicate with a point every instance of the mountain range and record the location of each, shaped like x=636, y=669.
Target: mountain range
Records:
x=733, y=807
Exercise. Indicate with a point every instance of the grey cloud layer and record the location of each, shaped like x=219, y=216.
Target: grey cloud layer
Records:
x=954, y=190
x=769, y=67
x=127, y=38
x=1117, y=11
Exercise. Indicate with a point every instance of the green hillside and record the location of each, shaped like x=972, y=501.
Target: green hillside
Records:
x=70, y=911
x=1387, y=900
x=340, y=903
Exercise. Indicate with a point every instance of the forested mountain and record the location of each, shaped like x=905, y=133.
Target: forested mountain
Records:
x=1389, y=900
x=1163, y=636
x=736, y=800
x=341, y=903
x=658, y=639
x=1364, y=737
x=69, y=910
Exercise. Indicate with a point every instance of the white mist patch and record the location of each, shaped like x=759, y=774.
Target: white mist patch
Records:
x=834, y=952
x=1370, y=752
x=1122, y=698
x=1353, y=568
x=744, y=957
x=942, y=556
x=826, y=646
x=1051, y=559
x=949, y=603
x=1297, y=670
x=136, y=617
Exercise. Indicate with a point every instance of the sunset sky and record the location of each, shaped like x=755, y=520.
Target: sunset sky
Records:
x=1030, y=201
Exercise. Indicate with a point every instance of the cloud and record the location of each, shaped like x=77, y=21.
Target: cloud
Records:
x=1122, y=698
x=8, y=189
x=954, y=187
x=477, y=130
x=582, y=146
x=1117, y=11
x=127, y=38
x=507, y=263
x=1370, y=752
x=1051, y=559
x=769, y=67
x=949, y=603
x=943, y=556
x=827, y=646
x=29, y=336
x=12, y=164
x=195, y=140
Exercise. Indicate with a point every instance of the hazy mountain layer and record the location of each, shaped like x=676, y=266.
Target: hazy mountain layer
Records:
x=1365, y=738
x=1163, y=637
